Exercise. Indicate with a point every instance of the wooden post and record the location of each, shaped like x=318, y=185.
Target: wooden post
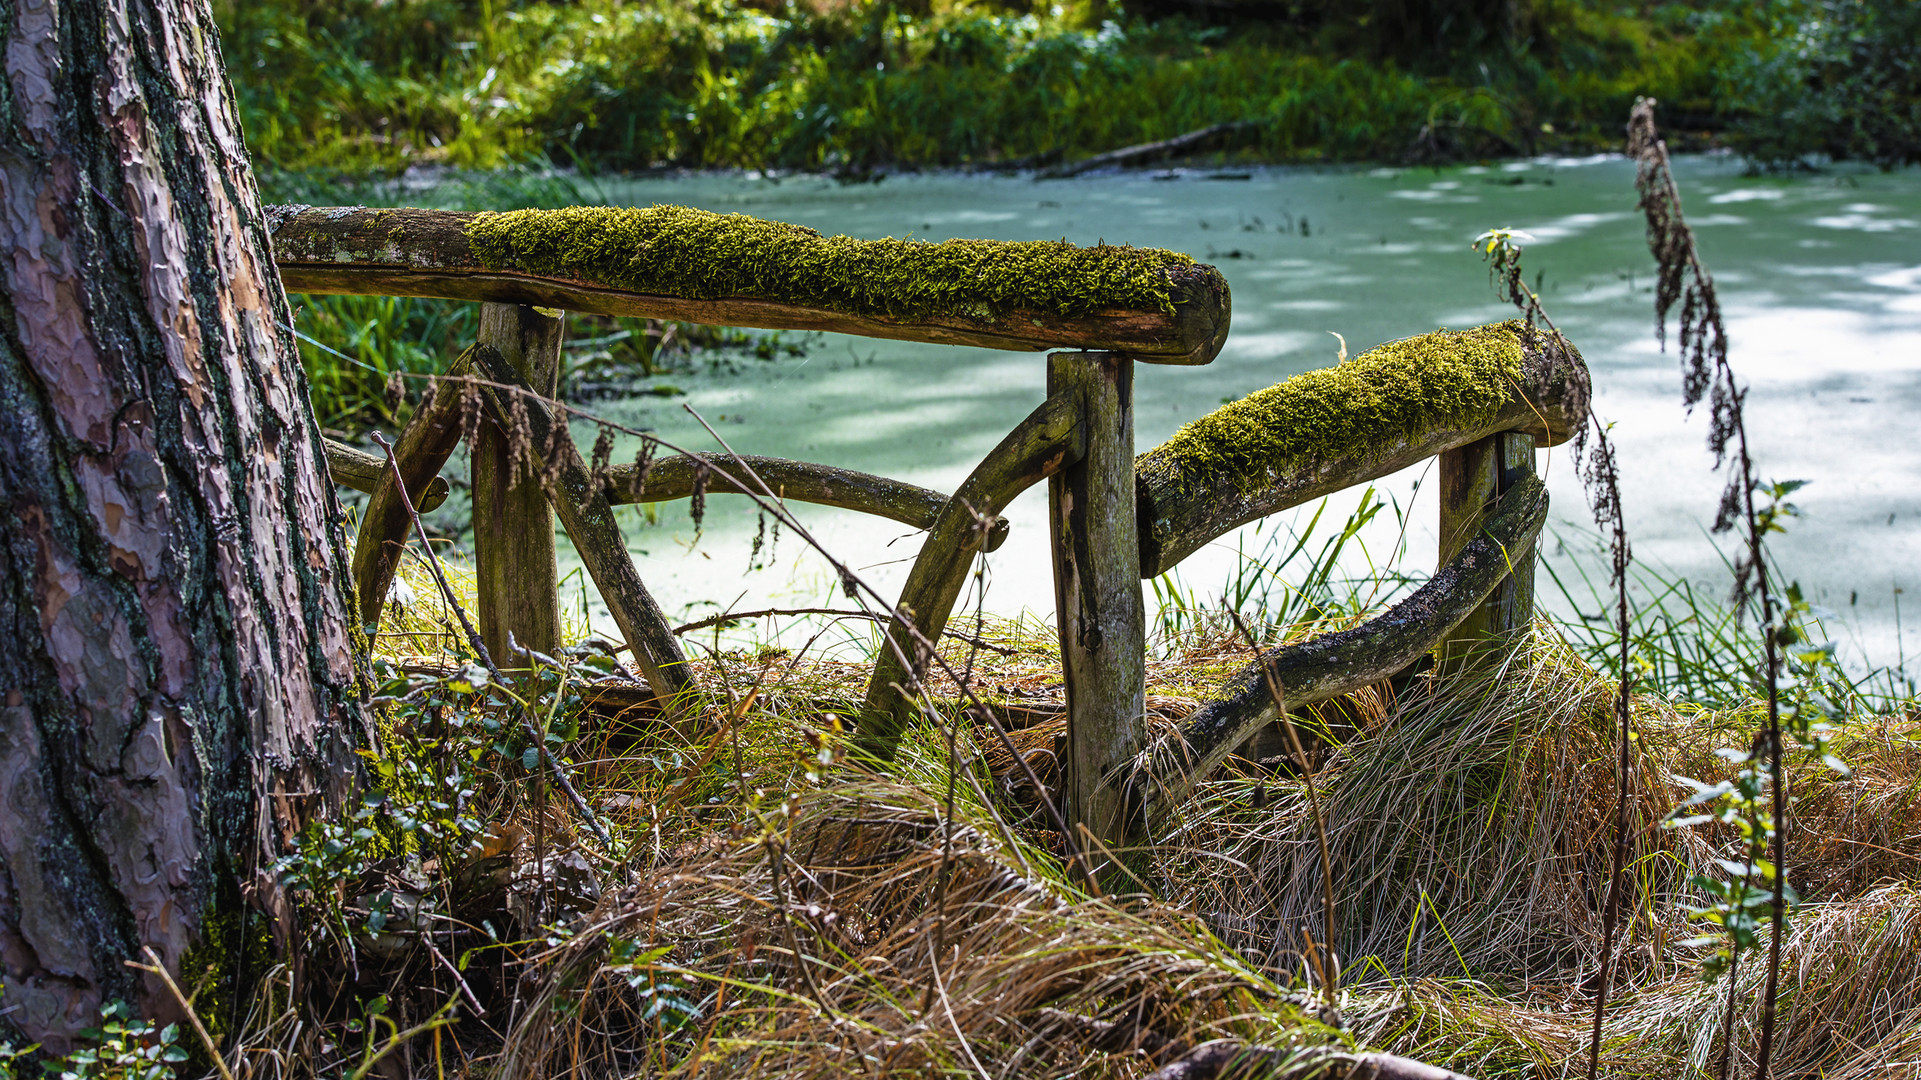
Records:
x=1097, y=596
x=513, y=523
x=1472, y=478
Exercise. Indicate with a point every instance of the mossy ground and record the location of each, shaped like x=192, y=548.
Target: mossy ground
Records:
x=1400, y=389
x=696, y=254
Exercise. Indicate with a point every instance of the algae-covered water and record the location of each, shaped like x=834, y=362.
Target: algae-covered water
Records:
x=1820, y=277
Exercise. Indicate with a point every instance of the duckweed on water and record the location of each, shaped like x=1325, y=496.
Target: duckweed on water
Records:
x=1398, y=389
x=699, y=255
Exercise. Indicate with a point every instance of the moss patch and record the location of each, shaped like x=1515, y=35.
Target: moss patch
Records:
x=697, y=255
x=1399, y=389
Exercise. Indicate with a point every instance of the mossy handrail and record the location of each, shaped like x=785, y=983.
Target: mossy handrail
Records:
x=732, y=270
x=1335, y=427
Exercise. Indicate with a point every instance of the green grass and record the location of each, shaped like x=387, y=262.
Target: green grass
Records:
x=1687, y=642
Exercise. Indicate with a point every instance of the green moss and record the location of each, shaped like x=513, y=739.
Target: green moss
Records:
x=1398, y=389
x=697, y=255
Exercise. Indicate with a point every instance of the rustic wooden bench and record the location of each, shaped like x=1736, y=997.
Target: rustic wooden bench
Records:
x=1482, y=400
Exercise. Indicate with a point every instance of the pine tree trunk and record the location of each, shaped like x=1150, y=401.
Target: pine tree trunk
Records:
x=177, y=683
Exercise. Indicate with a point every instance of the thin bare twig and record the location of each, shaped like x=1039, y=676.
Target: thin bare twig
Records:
x=731, y=616
x=153, y=966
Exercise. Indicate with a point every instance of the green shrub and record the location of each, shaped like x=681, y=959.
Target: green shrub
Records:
x=1840, y=78
x=366, y=85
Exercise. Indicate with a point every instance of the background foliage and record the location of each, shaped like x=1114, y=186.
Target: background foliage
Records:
x=846, y=85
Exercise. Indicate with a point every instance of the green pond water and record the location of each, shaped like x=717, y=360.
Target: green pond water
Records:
x=1820, y=277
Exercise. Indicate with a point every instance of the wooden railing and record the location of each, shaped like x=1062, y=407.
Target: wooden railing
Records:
x=1481, y=401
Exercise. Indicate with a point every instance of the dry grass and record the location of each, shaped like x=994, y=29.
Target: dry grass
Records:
x=1468, y=823
x=862, y=936
x=771, y=914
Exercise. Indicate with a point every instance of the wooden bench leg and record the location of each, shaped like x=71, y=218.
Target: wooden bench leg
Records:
x=1097, y=596
x=513, y=524
x=1472, y=478
x=1051, y=437
x=590, y=523
x=424, y=446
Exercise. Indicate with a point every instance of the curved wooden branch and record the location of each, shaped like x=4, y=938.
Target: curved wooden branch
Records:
x=1345, y=661
x=424, y=446
x=408, y=252
x=352, y=467
x=801, y=481
x=1051, y=438
x=1182, y=507
x=589, y=520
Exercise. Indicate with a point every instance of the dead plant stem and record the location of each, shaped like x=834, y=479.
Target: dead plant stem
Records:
x=153, y=966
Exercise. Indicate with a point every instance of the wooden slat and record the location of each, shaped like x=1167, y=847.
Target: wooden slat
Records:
x=1052, y=437
x=385, y=527
x=410, y=252
x=352, y=467
x=1473, y=478
x=590, y=523
x=798, y=481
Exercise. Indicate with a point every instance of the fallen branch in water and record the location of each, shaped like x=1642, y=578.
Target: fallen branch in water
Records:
x=1129, y=155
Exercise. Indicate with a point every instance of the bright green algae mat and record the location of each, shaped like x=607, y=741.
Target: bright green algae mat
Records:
x=699, y=255
x=1402, y=388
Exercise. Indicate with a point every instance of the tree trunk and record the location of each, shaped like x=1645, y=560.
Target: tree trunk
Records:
x=177, y=685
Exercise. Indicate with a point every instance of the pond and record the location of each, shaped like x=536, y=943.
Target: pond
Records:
x=1820, y=277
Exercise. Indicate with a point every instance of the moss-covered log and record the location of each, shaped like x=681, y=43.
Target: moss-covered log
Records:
x=671, y=262
x=801, y=481
x=351, y=467
x=1340, y=663
x=1325, y=430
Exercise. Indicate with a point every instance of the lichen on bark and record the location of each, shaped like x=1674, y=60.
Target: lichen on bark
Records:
x=699, y=255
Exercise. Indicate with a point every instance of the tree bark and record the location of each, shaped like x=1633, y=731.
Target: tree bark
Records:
x=177, y=683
